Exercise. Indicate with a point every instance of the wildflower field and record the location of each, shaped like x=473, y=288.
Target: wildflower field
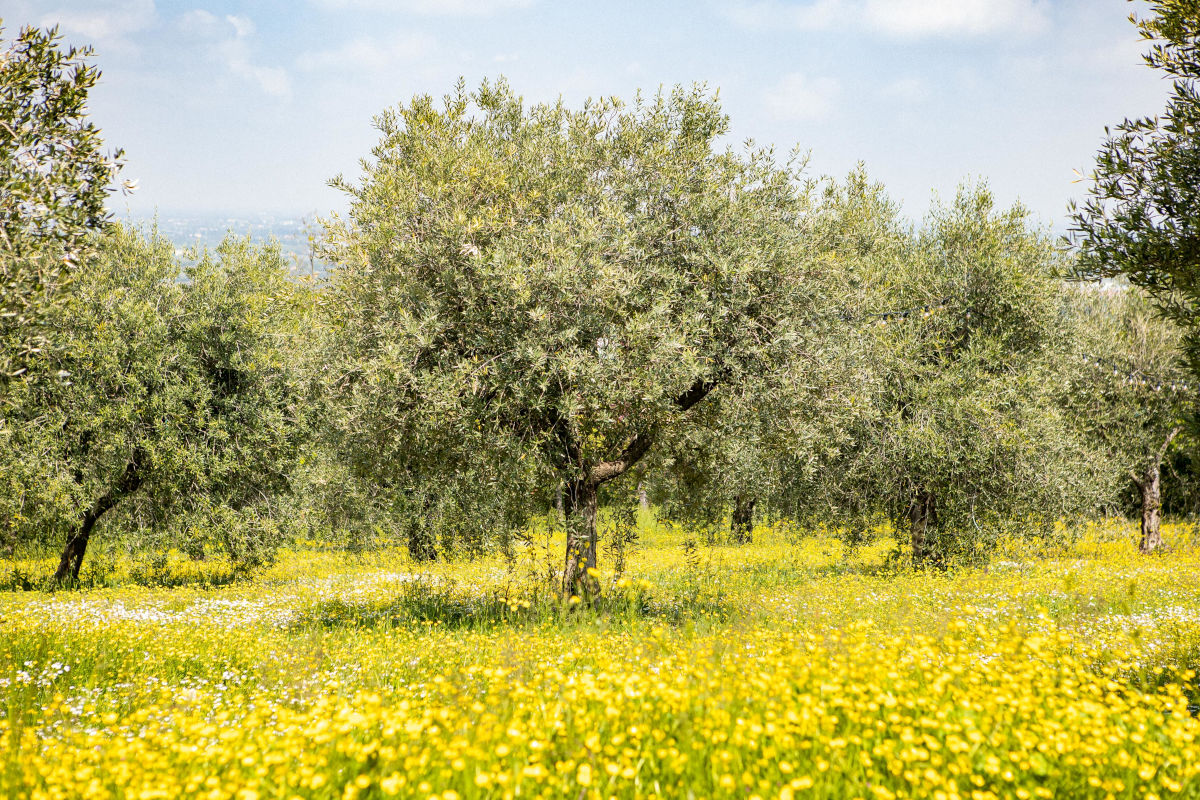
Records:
x=784, y=669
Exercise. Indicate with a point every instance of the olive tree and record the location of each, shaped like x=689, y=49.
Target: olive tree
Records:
x=536, y=297
x=181, y=393
x=957, y=434
x=769, y=447
x=1131, y=394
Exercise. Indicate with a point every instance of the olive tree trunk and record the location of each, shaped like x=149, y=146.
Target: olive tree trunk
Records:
x=741, y=523
x=1149, y=485
x=922, y=524
x=72, y=555
x=581, y=509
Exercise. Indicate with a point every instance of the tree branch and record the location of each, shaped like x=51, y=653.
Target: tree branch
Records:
x=1162, y=451
x=1133, y=476
x=695, y=393
x=607, y=470
x=639, y=445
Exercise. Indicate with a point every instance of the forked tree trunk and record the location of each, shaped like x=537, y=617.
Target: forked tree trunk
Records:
x=580, y=499
x=581, y=508
x=1149, y=485
x=741, y=523
x=72, y=555
x=922, y=523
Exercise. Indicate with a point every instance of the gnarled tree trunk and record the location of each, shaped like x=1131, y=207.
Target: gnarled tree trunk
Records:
x=1150, y=488
x=581, y=509
x=922, y=524
x=741, y=523
x=72, y=555
x=1149, y=485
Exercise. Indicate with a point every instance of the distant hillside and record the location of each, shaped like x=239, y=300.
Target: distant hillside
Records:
x=207, y=230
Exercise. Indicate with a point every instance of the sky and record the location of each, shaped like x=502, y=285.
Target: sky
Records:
x=251, y=107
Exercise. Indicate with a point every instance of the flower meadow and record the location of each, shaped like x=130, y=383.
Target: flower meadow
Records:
x=783, y=669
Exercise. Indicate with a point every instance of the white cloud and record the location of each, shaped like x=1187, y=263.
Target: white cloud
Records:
x=895, y=18
x=797, y=98
x=443, y=8
x=368, y=54
x=806, y=16
x=198, y=21
x=272, y=80
x=104, y=23
x=235, y=54
x=228, y=42
x=243, y=26
x=916, y=18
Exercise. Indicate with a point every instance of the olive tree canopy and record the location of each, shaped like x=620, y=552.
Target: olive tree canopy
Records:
x=956, y=432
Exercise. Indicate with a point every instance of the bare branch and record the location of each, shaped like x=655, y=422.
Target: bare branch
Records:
x=1162, y=451
x=1133, y=476
x=639, y=445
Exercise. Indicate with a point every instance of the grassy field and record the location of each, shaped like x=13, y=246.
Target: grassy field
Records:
x=783, y=669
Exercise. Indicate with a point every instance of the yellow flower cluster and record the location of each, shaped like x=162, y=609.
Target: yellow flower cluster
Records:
x=775, y=671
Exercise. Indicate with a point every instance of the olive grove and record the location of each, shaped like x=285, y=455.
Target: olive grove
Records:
x=534, y=310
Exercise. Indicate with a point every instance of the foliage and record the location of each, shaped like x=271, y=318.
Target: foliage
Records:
x=1131, y=390
x=54, y=180
x=1139, y=220
x=1181, y=489
x=765, y=443
x=934, y=399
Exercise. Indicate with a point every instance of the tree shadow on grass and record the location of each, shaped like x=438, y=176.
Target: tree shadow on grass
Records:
x=441, y=604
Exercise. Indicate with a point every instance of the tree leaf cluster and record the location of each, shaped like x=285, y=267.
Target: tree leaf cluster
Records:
x=54, y=181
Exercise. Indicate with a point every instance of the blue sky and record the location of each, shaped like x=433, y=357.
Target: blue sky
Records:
x=251, y=107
